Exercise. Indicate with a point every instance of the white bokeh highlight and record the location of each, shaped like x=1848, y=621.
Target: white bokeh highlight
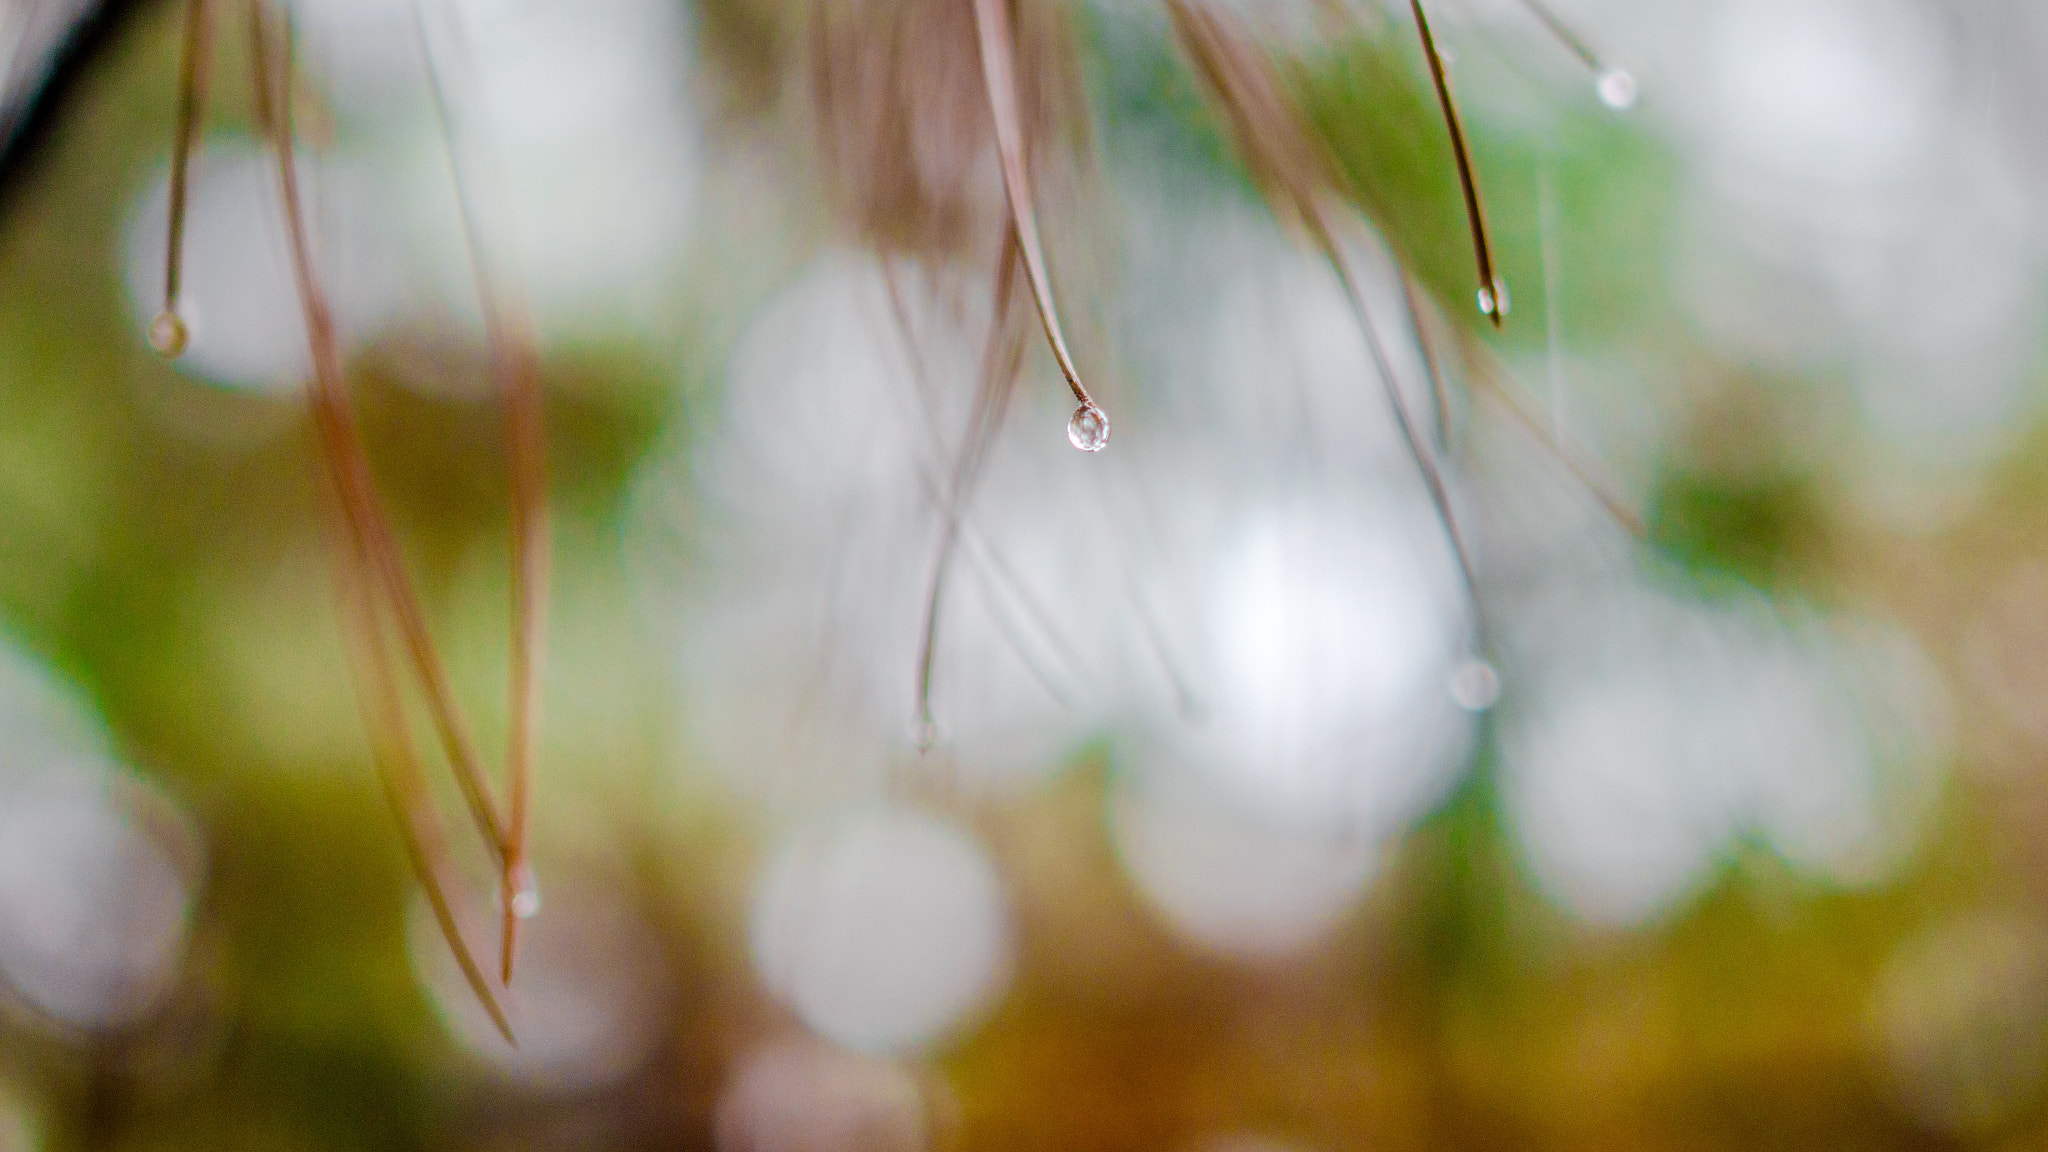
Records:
x=884, y=930
x=1234, y=884
x=1329, y=643
x=98, y=872
x=1661, y=728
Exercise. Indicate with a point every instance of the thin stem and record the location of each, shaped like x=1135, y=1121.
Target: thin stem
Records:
x=998, y=66
x=354, y=568
x=1000, y=577
x=998, y=378
x=1267, y=134
x=349, y=464
x=192, y=77
x=1437, y=389
x=398, y=768
x=1573, y=42
x=1489, y=284
x=515, y=368
x=1418, y=448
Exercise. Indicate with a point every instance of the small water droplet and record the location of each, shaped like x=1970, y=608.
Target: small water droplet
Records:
x=1089, y=428
x=525, y=893
x=1494, y=298
x=924, y=734
x=168, y=334
x=1617, y=89
x=1475, y=685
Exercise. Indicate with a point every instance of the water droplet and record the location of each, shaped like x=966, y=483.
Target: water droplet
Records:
x=1617, y=89
x=1495, y=297
x=1089, y=429
x=1475, y=685
x=924, y=733
x=167, y=334
x=525, y=893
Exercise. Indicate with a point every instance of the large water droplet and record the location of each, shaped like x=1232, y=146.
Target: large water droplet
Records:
x=924, y=733
x=1617, y=89
x=525, y=893
x=1475, y=685
x=1089, y=428
x=1495, y=299
x=168, y=334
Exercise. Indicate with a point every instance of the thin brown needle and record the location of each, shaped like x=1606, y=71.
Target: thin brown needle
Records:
x=1492, y=297
x=1439, y=392
x=355, y=567
x=1004, y=356
x=998, y=67
x=1565, y=35
x=1425, y=459
x=168, y=332
x=515, y=367
x=1001, y=578
x=1285, y=161
x=335, y=421
x=398, y=768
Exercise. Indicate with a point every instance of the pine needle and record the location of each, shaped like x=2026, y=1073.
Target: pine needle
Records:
x=1492, y=293
x=999, y=69
x=1291, y=168
x=369, y=557
x=515, y=370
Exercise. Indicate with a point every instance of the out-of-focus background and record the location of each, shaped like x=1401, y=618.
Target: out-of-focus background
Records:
x=1224, y=841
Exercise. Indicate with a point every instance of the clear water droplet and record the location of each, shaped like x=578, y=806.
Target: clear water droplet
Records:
x=1617, y=89
x=168, y=334
x=525, y=893
x=1475, y=685
x=924, y=734
x=1494, y=298
x=1089, y=428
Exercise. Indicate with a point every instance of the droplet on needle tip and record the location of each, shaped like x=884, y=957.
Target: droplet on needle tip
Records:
x=168, y=334
x=1617, y=89
x=1088, y=430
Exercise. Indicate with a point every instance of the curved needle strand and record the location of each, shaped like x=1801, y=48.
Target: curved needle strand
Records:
x=998, y=66
x=1492, y=299
x=1425, y=459
x=398, y=768
x=515, y=367
x=168, y=331
x=998, y=377
x=1283, y=159
x=357, y=564
x=1437, y=390
x=346, y=458
x=1565, y=35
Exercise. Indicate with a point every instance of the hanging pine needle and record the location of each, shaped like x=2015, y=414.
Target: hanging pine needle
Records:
x=376, y=590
